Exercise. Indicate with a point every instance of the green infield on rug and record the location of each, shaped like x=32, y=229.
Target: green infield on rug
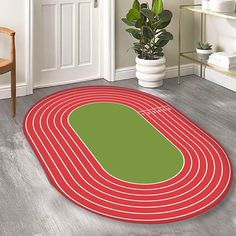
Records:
x=125, y=144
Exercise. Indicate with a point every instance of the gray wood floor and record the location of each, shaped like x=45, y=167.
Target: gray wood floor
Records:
x=29, y=205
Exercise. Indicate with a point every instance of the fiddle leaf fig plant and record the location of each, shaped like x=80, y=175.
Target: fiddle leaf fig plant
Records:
x=147, y=25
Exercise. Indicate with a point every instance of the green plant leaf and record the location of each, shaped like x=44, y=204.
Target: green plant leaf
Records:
x=136, y=5
x=133, y=15
x=138, y=47
x=129, y=23
x=147, y=13
x=158, y=49
x=134, y=32
x=148, y=32
x=204, y=46
x=161, y=43
x=144, y=5
x=164, y=19
x=160, y=54
x=165, y=36
x=166, y=15
x=139, y=23
x=157, y=6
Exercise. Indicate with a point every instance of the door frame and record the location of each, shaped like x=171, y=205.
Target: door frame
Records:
x=107, y=39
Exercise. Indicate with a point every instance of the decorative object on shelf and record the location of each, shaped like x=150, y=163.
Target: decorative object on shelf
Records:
x=224, y=60
x=147, y=26
x=226, y=6
x=204, y=50
x=205, y=4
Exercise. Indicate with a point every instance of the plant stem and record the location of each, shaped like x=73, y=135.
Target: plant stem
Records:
x=142, y=42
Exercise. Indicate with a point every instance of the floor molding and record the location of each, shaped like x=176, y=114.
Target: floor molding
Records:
x=46, y=85
x=217, y=77
x=5, y=90
x=125, y=73
x=130, y=72
x=171, y=72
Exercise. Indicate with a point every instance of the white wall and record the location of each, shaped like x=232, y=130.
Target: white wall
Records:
x=222, y=34
x=13, y=14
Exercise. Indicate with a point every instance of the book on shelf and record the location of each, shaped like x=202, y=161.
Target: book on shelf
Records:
x=224, y=60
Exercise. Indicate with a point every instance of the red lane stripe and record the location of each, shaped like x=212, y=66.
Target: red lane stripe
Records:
x=93, y=158
x=66, y=122
x=53, y=132
x=111, y=205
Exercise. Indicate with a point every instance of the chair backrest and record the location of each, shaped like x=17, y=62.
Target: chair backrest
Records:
x=10, y=33
x=7, y=31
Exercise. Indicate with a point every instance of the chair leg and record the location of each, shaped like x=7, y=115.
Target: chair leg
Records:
x=13, y=91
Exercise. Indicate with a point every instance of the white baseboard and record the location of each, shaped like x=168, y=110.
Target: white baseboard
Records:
x=46, y=85
x=21, y=88
x=5, y=90
x=171, y=72
x=217, y=77
x=129, y=73
x=196, y=69
x=126, y=73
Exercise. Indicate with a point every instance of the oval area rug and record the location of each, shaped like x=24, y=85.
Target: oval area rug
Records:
x=127, y=155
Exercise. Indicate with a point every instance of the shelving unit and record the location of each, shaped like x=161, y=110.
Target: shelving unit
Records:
x=193, y=55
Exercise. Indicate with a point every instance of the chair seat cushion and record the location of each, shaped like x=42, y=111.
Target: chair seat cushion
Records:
x=5, y=65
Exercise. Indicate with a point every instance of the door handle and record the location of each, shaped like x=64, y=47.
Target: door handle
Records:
x=95, y=3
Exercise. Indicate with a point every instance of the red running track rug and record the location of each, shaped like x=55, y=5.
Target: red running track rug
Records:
x=127, y=155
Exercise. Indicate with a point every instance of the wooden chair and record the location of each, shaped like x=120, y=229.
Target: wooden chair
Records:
x=9, y=65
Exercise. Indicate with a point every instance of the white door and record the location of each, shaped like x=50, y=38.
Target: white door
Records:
x=66, y=41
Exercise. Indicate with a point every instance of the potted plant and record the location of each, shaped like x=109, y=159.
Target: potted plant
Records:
x=147, y=25
x=204, y=50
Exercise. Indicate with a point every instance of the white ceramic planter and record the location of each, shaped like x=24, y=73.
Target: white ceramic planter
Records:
x=150, y=73
x=204, y=54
